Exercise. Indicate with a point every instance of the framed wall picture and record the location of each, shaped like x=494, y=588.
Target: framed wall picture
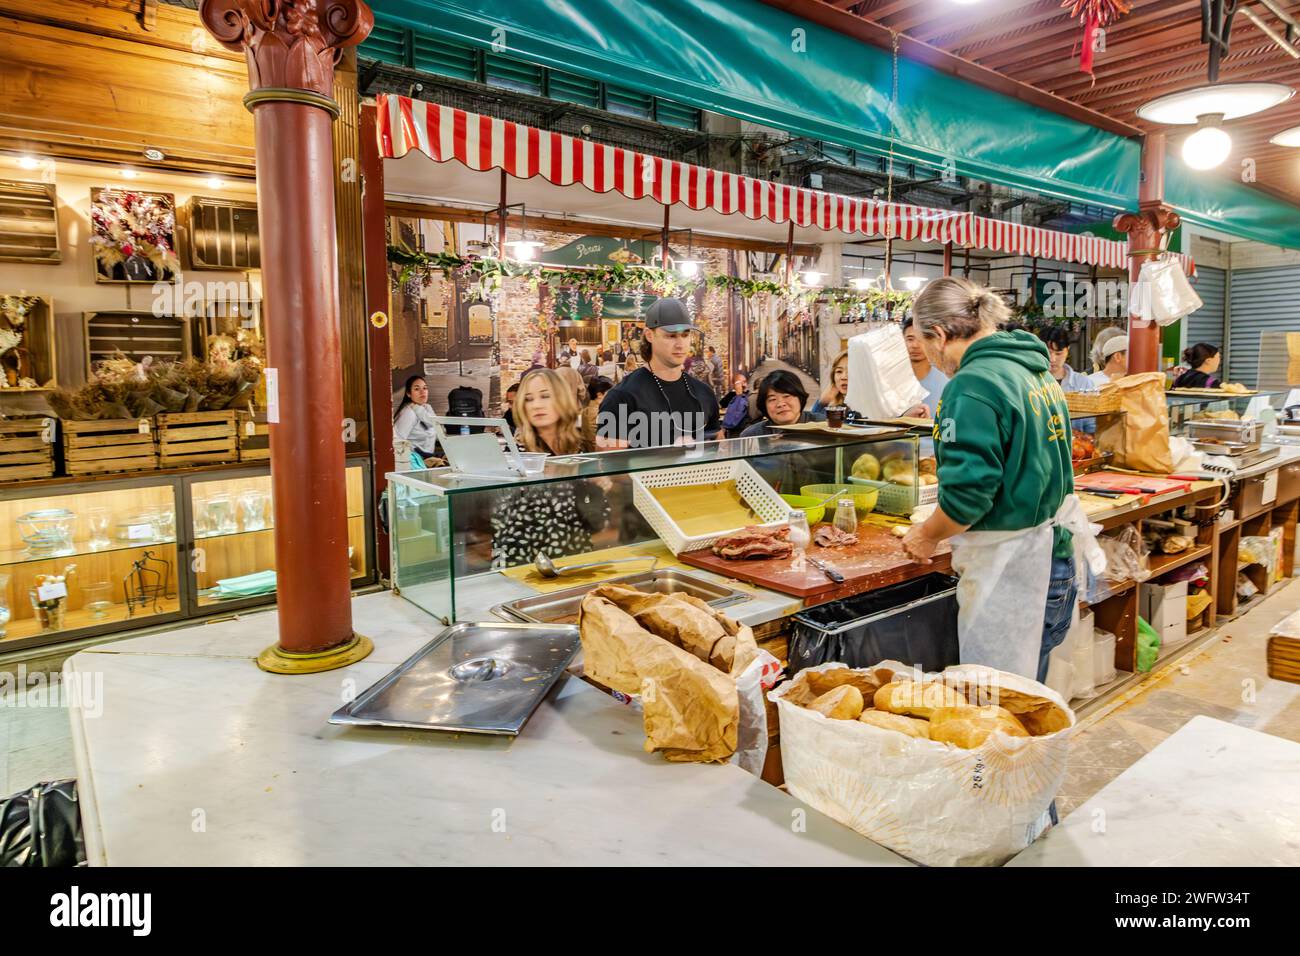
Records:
x=133, y=235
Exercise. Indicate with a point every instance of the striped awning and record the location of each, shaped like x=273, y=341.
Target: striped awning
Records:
x=484, y=142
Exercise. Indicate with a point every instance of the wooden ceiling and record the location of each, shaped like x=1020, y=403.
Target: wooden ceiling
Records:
x=1155, y=49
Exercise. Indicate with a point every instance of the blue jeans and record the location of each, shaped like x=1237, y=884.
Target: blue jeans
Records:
x=1061, y=592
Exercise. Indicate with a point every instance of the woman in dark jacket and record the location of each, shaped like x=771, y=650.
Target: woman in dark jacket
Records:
x=781, y=401
x=1203, y=361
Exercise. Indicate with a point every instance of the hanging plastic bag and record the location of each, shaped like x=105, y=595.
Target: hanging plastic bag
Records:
x=1162, y=293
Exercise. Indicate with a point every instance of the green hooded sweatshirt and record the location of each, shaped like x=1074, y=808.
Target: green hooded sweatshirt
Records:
x=1002, y=439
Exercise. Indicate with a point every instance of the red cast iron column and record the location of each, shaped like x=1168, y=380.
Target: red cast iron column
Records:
x=292, y=47
x=1146, y=229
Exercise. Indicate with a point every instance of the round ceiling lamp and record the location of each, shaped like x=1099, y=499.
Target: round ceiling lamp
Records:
x=1230, y=100
x=523, y=250
x=812, y=278
x=1288, y=137
x=688, y=268
x=913, y=282
x=862, y=283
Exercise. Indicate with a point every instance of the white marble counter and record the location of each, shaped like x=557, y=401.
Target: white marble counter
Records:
x=1211, y=794
x=199, y=758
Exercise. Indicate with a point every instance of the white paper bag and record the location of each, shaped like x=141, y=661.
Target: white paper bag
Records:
x=931, y=802
x=881, y=381
x=1162, y=293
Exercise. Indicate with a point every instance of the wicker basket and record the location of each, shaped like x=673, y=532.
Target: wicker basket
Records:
x=1093, y=403
x=757, y=493
x=900, y=499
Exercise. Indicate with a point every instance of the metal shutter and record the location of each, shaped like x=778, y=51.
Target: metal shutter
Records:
x=1263, y=300
x=1206, y=323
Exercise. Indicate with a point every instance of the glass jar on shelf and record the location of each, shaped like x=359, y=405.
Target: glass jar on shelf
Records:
x=221, y=515
x=98, y=521
x=252, y=509
x=49, y=597
x=98, y=598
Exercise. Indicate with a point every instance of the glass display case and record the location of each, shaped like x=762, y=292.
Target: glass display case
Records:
x=96, y=556
x=1267, y=407
x=449, y=532
x=231, y=521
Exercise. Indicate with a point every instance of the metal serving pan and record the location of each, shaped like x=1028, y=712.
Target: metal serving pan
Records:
x=561, y=607
x=473, y=678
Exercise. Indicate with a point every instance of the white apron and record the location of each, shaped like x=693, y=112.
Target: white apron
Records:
x=1002, y=594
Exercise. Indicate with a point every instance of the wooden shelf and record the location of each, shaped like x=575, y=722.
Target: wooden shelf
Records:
x=1164, y=563
x=77, y=618
x=1118, y=591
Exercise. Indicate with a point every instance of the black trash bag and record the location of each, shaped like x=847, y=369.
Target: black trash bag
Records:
x=913, y=622
x=41, y=826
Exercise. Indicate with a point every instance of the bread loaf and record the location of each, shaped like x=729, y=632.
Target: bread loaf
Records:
x=968, y=727
x=911, y=726
x=915, y=699
x=843, y=703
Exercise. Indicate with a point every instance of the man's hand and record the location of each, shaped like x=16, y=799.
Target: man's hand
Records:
x=919, y=544
x=917, y=411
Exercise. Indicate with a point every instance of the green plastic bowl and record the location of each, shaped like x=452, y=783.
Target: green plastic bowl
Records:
x=809, y=505
x=863, y=499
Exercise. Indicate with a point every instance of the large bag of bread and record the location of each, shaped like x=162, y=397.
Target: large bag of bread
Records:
x=697, y=675
x=1139, y=439
x=956, y=768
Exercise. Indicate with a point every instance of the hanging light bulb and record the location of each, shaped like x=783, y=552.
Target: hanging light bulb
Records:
x=862, y=283
x=1209, y=146
x=129, y=173
x=216, y=182
x=29, y=162
x=913, y=282
x=524, y=250
x=812, y=278
x=688, y=268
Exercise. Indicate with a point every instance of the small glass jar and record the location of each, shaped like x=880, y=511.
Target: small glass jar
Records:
x=846, y=516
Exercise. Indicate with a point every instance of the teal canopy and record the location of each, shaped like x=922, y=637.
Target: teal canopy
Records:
x=750, y=60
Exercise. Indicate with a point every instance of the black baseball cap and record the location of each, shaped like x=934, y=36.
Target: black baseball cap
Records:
x=669, y=315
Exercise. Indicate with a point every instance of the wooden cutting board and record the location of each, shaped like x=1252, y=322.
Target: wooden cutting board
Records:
x=875, y=561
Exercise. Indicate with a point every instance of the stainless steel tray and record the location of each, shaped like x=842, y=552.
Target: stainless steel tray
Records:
x=473, y=678
x=561, y=607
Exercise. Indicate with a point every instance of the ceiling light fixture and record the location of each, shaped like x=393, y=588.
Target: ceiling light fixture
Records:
x=812, y=278
x=216, y=182
x=129, y=173
x=524, y=250
x=1233, y=100
x=28, y=162
x=1288, y=137
x=1209, y=107
x=1209, y=146
x=688, y=268
x=913, y=282
x=862, y=283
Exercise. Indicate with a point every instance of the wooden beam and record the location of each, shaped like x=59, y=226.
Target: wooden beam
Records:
x=442, y=213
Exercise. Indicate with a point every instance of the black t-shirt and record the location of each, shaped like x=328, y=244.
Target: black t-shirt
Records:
x=646, y=412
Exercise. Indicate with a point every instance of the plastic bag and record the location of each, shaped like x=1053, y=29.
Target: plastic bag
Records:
x=1148, y=646
x=1162, y=293
x=41, y=826
x=932, y=802
x=881, y=381
x=1126, y=560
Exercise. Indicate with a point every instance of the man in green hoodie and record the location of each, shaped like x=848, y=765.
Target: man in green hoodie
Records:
x=1002, y=439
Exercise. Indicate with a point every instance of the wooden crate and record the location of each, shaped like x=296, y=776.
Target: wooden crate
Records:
x=102, y=447
x=27, y=448
x=254, y=437
x=196, y=438
x=1283, y=655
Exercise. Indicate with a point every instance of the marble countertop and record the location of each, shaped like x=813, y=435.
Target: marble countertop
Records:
x=1211, y=794
x=187, y=754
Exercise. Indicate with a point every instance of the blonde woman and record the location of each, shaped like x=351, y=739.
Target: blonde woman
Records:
x=555, y=519
x=837, y=389
x=577, y=384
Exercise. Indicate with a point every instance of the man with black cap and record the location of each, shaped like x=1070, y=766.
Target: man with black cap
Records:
x=659, y=404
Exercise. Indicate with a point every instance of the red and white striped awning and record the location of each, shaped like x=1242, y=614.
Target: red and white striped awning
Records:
x=480, y=142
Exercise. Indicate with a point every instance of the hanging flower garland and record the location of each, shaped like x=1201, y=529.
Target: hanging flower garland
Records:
x=484, y=277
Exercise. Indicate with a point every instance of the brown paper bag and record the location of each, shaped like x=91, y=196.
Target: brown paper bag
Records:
x=680, y=656
x=1139, y=438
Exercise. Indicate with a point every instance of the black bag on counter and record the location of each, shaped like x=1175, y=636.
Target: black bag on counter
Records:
x=41, y=826
x=914, y=623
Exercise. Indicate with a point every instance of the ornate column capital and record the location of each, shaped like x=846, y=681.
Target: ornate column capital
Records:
x=292, y=46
